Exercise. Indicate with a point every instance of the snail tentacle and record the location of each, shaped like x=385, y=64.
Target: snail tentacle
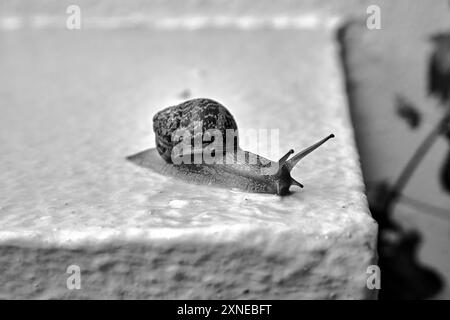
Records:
x=291, y=163
x=285, y=157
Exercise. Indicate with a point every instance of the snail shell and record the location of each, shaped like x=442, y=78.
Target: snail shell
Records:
x=196, y=116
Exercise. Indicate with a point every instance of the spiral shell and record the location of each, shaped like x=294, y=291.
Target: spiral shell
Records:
x=190, y=115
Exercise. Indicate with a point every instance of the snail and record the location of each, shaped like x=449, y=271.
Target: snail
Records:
x=180, y=133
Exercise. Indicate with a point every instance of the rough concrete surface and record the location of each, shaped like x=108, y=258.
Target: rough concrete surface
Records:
x=76, y=104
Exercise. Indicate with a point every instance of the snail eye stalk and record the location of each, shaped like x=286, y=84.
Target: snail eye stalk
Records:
x=284, y=158
x=291, y=163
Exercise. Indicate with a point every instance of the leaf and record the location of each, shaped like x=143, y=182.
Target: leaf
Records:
x=447, y=131
x=407, y=111
x=439, y=68
x=377, y=197
x=445, y=174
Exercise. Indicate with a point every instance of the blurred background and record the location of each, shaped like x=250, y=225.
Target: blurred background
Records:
x=397, y=81
x=396, y=78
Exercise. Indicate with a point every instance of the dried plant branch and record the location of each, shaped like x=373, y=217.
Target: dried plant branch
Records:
x=411, y=166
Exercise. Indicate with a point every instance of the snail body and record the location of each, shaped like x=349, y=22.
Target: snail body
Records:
x=231, y=167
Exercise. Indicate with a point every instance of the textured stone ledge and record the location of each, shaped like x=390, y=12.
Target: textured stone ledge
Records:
x=248, y=262
x=74, y=105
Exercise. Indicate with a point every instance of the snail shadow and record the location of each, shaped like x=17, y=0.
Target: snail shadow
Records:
x=151, y=160
x=188, y=173
x=148, y=159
